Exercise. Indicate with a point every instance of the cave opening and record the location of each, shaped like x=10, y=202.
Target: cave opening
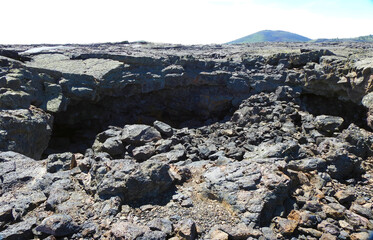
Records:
x=349, y=111
x=75, y=129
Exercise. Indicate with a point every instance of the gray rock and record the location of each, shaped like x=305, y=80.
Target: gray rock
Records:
x=110, y=207
x=240, y=231
x=95, y=68
x=328, y=228
x=139, y=134
x=269, y=150
x=130, y=180
x=163, y=128
x=367, y=100
x=360, y=140
x=56, y=197
x=328, y=124
x=357, y=221
x=113, y=146
x=153, y=235
x=186, y=229
x=172, y=156
x=18, y=171
x=10, y=99
x=26, y=131
x=161, y=224
x=345, y=196
x=58, y=225
x=249, y=187
x=130, y=231
x=206, y=151
x=308, y=164
x=60, y=162
x=54, y=100
x=20, y=230
x=143, y=153
x=119, y=83
x=165, y=146
x=361, y=210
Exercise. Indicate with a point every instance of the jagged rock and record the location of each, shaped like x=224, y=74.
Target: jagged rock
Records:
x=26, y=131
x=341, y=164
x=218, y=235
x=110, y=207
x=163, y=128
x=143, y=153
x=302, y=59
x=360, y=140
x=130, y=180
x=365, y=211
x=95, y=68
x=285, y=149
x=171, y=156
x=310, y=231
x=56, y=197
x=58, y=225
x=328, y=236
x=54, y=100
x=109, y=141
x=328, y=124
x=345, y=196
x=161, y=224
x=186, y=229
x=285, y=226
x=240, y=231
x=308, y=164
x=126, y=230
x=280, y=150
x=255, y=188
x=206, y=151
x=10, y=99
x=359, y=236
x=113, y=146
x=20, y=230
x=139, y=134
x=357, y=221
x=60, y=162
x=334, y=210
x=13, y=54
x=153, y=235
x=18, y=171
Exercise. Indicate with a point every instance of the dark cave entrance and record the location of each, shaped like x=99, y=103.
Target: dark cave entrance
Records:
x=349, y=111
x=75, y=129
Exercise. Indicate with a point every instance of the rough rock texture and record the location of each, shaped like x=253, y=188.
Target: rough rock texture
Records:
x=26, y=131
x=155, y=141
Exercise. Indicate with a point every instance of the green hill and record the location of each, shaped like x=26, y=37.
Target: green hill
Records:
x=271, y=36
x=368, y=38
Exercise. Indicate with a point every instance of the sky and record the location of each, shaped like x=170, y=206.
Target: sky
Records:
x=178, y=21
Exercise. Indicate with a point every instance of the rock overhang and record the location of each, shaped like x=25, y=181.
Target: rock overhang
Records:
x=273, y=159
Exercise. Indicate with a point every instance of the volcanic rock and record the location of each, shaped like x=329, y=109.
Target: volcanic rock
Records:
x=164, y=141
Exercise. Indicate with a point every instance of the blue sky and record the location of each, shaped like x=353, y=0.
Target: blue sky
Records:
x=179, y=21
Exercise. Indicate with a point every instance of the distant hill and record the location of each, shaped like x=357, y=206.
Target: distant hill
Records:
x=368, y=38
x=271, y=36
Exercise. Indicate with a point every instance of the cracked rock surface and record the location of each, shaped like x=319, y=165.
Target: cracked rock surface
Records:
x=156, y=141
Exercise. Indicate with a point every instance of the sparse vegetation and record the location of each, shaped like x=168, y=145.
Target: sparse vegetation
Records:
x=283, y=36
x=271, y=36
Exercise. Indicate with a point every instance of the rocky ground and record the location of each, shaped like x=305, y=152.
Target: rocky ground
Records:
x=155, y=141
